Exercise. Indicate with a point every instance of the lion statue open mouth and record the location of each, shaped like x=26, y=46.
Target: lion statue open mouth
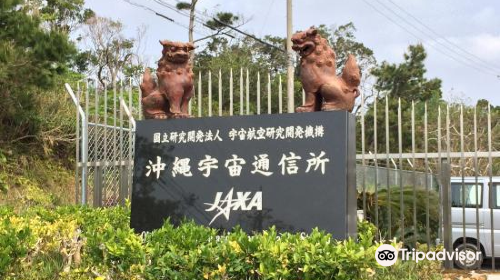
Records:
x=324, y=89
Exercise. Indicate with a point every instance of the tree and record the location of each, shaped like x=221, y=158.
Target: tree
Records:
x=407, y=82
x=192, y=8
x=110, y=52
x=32, y=58
x=63, y=15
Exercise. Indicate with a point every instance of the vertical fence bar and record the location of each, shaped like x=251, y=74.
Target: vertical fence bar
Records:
x=96, y=120
x=491, y=203
x=77, y=155
x=258, y=93
x=130, y=143
x=241, y=91
x=476, y=179
x=209, y=93
x=120, y=158
x=231, y=92
x=363, y=151
x=190, y=103
x=139, y=117
x=130, y=95
x=248, y=92
x=97, y=200
x=462, y=169
x=448, y=242
x=375, y=154
x=280, y=96
x=220, y=92
x=199, y=95
x=303, y=96
x=387, y=151
x=400, y=177
x=115, y=136
x=85, y=146
x=448, y=135
x=414, y=175
x=447, y=235
x=269, y=93
x=427, y=193
x=105, y=140
x=440, y=172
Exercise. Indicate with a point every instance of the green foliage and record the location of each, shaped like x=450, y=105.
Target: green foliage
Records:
x=425, y=270
x=407, y=80
x=33, y=58
x=413, y=232
x=3, y=185
x=84, y=243
x=3, y=177
x=15, y=241
x=27, y=181
x=183, y=6
x=221, y=20
x=64, y=15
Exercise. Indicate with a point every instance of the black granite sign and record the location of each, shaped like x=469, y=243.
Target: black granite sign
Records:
x=293, y=171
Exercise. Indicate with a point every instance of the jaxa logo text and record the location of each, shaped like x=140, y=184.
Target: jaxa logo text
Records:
x=244, y=201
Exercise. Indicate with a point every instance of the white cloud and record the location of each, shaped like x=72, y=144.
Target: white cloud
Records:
x=485, y=17
x=486, y=46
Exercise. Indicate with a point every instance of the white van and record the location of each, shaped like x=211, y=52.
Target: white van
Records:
x=476, y=204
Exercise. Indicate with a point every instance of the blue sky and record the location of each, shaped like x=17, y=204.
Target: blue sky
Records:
x=462, y=38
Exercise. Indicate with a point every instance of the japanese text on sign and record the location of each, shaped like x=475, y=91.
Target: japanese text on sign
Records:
x=287, y=165
x=242, y=134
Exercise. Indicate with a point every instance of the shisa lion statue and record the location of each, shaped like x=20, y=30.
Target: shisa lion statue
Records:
x=324, y=90
x=169, y=97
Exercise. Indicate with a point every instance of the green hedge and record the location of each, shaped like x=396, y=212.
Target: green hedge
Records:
x=85, y=243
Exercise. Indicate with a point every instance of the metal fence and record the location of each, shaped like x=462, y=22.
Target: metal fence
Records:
x=450, y=140
x=407, y=151
x=105, y=143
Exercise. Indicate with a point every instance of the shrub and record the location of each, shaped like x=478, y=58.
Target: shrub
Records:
x=84, y=243
x=413, y=233
x=16, y=239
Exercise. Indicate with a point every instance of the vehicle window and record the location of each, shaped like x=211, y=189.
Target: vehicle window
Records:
x=496, y=195
x=471, y=199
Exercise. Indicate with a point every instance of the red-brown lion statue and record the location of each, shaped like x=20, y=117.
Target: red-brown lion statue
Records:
x=169, y=98
x=324, y=89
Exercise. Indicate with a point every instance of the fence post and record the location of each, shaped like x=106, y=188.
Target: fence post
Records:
x=85, y=146
x=97, y=199
x=123, y=170
x=77, y=155
x=97, y=190
x=446, y=204
x=85, y=154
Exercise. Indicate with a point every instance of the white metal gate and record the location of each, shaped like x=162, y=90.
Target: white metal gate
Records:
x=105, y=143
